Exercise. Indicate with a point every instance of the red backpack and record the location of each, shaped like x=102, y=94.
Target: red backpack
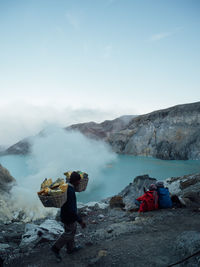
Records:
x=149, y=201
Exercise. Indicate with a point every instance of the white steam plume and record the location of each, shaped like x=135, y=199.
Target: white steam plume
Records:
x=52, y=155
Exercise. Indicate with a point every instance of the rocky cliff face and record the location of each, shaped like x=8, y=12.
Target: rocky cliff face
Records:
x=22, y=147
x=102, y=130
x=172, y=133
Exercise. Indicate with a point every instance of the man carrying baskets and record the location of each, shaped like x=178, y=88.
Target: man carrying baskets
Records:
x=70, y=218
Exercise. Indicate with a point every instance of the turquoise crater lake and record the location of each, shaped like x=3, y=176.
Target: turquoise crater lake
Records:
x=115, y=175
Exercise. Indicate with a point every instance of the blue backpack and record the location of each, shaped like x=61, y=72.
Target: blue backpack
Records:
x=164, y=199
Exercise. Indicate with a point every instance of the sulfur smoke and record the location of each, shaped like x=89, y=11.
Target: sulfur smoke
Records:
x=53, y=153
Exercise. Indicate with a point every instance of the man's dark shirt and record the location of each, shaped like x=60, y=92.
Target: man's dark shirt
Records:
x=68, y=212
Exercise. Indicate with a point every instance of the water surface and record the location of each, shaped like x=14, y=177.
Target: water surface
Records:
x=115, y=175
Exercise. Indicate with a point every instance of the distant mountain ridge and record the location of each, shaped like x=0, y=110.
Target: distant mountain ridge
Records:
x=172, y=133
x=20, y=148
x=89, y=129
x=102, y=130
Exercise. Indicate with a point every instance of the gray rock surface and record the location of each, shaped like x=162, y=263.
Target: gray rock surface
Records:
x=187, y=187
x=171, y=133
x=22, y=147
x=187, y=243
x=102, y=130
x=6, y=180
x=119, y=238
x=136, y=189
x=47, y=231
x=6, y=183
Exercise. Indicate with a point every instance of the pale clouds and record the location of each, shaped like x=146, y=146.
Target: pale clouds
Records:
x=164, y=35
x=73, y=20
x=160, y=36
x=111, y=2
x=107, y=51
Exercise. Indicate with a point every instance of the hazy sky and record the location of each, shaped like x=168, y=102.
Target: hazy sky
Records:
x=60, y=59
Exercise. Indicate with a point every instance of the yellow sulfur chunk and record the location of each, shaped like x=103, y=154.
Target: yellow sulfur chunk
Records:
x=60, y=181
x=68, y=174
x=54, y=185
x=41, y=192
x=44, y=192
x=63, y=187
x=46, y=183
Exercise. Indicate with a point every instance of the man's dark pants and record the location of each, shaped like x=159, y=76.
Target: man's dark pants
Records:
x=67, y=238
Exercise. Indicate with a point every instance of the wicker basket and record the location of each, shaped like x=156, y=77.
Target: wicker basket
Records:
x=82, y=186
x=83, y=182
x=55, y=201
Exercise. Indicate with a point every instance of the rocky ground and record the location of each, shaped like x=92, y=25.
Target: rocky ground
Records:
x=115, y=234
x=113, y=237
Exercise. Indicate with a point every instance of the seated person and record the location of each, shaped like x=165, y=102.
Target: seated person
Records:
x=164, y=199
x=148, y=201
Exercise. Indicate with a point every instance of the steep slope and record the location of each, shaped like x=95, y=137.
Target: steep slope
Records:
x=172, y=133
x=102, y=130
x=20, y=148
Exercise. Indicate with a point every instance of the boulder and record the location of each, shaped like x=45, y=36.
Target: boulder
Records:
x=116, y=202
x=11, y=233
x=187, y=187
x=6, y=183
x=34, y=234
x=135, y=189
x=6, y=180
